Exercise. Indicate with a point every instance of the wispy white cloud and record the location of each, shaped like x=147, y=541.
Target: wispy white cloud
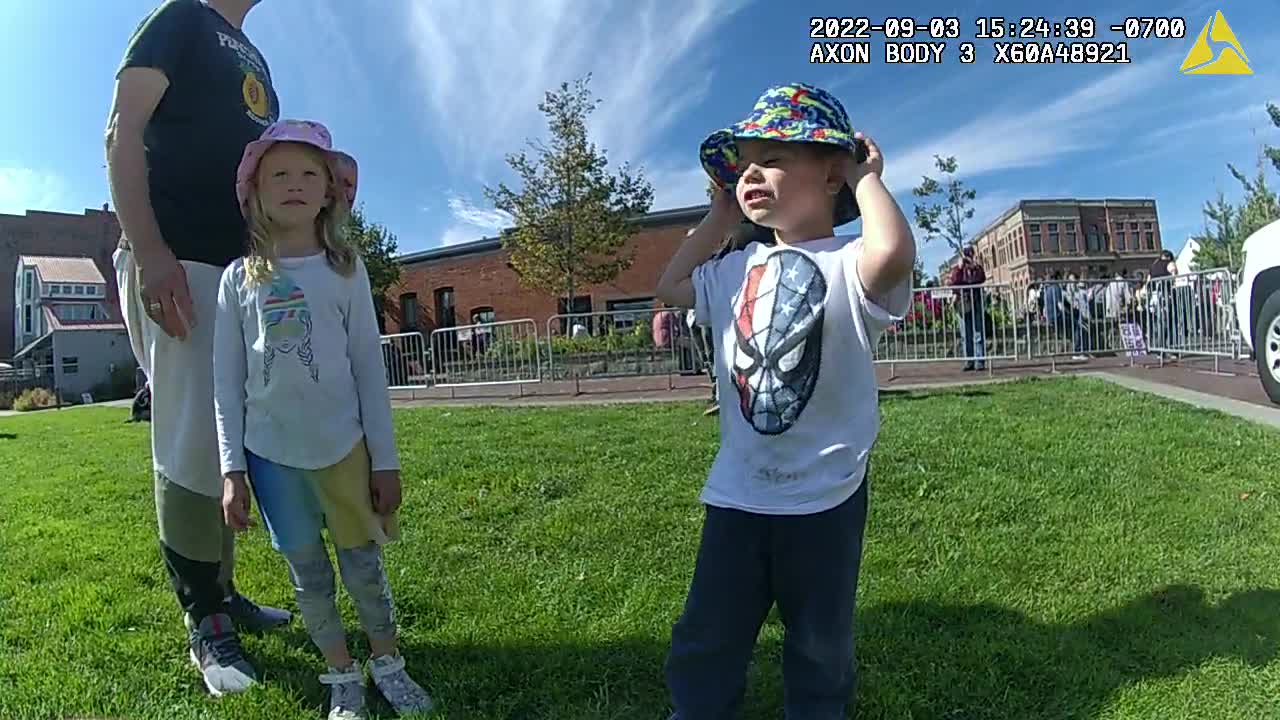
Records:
x=311, y=46
x=23, y=189
x=677, y=187
x=487, y=219
x=484, y=67
x=1006, y=138
x=461, y=233
x=1227, y=121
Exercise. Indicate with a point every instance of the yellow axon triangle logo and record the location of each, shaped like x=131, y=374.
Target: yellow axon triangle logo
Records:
x=1231, y=59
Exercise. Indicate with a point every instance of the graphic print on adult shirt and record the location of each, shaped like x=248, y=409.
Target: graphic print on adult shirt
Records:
x=287, y=326
x=778, y=340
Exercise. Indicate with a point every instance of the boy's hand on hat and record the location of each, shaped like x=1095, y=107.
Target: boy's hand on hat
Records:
x=725, y=208
x=873, y=165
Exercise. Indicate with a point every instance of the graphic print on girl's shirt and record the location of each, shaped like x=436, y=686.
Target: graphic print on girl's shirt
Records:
x=287, y=320
x=777, y=325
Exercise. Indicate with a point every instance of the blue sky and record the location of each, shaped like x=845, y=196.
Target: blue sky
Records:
x=430, y=95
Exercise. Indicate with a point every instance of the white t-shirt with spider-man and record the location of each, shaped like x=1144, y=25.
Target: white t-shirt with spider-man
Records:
x=799, y=414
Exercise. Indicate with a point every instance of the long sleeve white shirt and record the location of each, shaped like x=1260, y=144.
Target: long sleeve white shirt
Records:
x=298, y=370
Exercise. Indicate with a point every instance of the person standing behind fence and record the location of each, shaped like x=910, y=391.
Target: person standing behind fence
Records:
x=302, y=405
x=1118, y=299
x=191, y=92
x=970, y=276
x=795, y=325
x=1160, y=297
x=1079, y=298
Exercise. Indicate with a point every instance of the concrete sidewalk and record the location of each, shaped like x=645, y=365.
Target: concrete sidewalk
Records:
x=1264, y=414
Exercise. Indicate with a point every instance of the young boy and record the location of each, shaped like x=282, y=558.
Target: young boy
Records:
x=794, y=326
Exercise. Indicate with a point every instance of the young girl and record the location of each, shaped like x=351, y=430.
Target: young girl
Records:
x=302, y=404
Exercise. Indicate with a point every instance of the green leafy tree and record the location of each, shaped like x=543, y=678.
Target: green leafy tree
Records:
x=1273, y=153
x=571, y=218
x=944, y=216
x=1228, y=226
x=377, y=247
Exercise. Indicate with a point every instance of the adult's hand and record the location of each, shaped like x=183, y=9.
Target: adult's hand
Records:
x=166, y=296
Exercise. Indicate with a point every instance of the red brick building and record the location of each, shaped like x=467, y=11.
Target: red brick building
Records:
x=1092, y=238
x=94, y=235
x=473, y=282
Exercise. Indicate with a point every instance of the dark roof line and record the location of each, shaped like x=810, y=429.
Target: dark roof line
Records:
x=659, y=218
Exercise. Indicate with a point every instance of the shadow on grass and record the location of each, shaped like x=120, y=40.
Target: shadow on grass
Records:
x=917, y=659
x=984, y=661
x=917, y=395
x=8, y=436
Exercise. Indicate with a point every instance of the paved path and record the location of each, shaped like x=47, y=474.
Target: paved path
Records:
x=1265, y=414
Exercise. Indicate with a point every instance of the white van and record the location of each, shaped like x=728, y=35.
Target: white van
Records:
x=1258, y=304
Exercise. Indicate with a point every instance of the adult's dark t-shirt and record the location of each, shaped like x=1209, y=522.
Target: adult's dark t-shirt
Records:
x=219, y=99
x=1160, y=268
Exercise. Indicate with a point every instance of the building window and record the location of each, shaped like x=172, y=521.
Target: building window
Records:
x=1093, y=243
x=1053, y=227
x=1151, y=241
x=409, y=311
x=79, y=290
x=1035, y=243
x=70, y=365
x=483, y=316
x=29, y=284
x=26, y=319
x=1147, y=225
x=1133, y=226
x=1053, y=242
x=444, y=308
x=1071, y=242
x=1120, y=240
x=1034, y=228
x=1071, y=227
x=624, y=314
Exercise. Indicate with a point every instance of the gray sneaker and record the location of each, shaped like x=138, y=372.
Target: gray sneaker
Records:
x=252, y=617
x=215, y=651
x=346, y=693
x=405, y=695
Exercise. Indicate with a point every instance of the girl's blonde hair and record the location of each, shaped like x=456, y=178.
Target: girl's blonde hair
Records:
x=330, y=229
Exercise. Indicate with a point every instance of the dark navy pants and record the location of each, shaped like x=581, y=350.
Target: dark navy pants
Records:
x=808, y=565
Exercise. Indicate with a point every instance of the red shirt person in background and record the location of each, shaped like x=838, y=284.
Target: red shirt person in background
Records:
x=967, y=276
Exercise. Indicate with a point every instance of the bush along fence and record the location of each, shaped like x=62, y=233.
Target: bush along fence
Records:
x=27, y=388
x=979, y=326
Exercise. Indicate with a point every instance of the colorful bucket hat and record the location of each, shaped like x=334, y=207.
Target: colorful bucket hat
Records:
x=796, y=112
x=343, y=166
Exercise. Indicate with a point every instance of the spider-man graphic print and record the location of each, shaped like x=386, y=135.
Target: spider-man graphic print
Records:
x=777, y=321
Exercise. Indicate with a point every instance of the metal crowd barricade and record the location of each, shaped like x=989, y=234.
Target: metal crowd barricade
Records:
x=1193, y=314
x=970, y=324
x=497, y=353
x=621, y=343
x=405, y=357
x=1083, y=319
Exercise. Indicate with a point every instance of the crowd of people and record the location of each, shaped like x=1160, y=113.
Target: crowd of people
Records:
x=1084, y=312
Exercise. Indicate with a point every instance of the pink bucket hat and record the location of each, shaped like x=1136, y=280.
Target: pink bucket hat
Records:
x=343, y=166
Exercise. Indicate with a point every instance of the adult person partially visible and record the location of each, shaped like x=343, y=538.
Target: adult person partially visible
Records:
x=969, y=276
x=1160, y=297
x=191, y=92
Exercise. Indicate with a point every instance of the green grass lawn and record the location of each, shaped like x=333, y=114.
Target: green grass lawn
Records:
x=1054, y=549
